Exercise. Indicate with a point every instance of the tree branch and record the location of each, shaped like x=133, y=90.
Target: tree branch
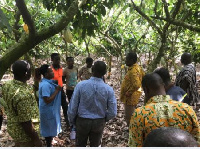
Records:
x=180, y=23
x=26, y=16
x=166, y=9
x=142, y=37
x=146, y=17
x=26, y=43
x=8, y=8
x=182, y=19
x=112, y=41
x=111, y=24
x=103, y=47
x=177, y=8
x=155, y=8
x=16, y=26
x=59, y=26
x=83, y=2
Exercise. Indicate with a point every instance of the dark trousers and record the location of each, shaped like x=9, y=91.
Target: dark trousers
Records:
x=1, y=120
x=69, y=94
x=64, y=105
x=89, y=128
x=48, y=141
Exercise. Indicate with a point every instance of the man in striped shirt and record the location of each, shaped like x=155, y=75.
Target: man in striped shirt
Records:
x=186, y=79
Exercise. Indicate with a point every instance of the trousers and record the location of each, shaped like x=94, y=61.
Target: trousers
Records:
x=129, y=109
x=1, y=120
x=89, y=128
x=64, y=105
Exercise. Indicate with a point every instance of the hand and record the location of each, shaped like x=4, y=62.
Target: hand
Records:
x=128, y=94
x=56, y=81
x=58, y=88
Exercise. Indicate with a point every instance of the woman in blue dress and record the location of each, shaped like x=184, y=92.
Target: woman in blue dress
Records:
x=49, y=105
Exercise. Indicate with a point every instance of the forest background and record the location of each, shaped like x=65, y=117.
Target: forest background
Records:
x=159, y=31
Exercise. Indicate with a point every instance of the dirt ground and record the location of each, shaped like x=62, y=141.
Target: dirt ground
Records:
x=115, y=133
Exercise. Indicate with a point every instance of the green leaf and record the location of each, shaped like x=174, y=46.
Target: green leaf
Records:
x=4, y=21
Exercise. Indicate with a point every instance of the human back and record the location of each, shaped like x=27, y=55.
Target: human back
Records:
x=168, y=113
x=178, y=94
x=175, y=92
x=21, y=107
x=93, y=104
x=95, y=94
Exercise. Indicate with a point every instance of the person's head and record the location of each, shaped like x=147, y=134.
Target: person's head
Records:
x=152, y=85
x=70, y=62
x=186, y=58
x=169, y=137
x=99, y=69
x=55, y=58
x=131, y=58
x=89, y=62
x=21, y=70
x=45, y=70
x=164, y=74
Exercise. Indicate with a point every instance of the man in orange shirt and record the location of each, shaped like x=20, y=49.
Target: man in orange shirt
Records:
x=58, y=74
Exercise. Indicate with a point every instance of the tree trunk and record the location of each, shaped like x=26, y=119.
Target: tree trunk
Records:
x=109, y=67
x=27, y=43
x=87, y=49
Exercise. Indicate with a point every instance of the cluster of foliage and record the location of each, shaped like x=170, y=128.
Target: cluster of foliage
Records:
x=154, y=28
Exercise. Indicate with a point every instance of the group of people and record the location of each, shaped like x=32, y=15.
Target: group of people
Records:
x=87, y=107
x=166, y=104
x=89, y=104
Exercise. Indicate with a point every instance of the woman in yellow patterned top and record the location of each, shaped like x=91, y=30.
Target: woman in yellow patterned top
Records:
x=21, y=107
x=131, y=85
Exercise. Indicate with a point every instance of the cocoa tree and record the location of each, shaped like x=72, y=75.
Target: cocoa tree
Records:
x=80, y=14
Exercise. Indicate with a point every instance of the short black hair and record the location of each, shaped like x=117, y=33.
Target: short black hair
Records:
x=152, y=80
x=54, y=55
x=43, y=69
x=186, y=58
x=89, y=60
x=169, y=137
x=69, y=57
x=133, y=56
x=20, y=68
x=99, y=68
x=164, y=74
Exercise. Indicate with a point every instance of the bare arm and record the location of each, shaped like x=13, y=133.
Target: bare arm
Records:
x=63, y=79
x=30, y=131
x=52, y=97
x=77, y=73
x=80, y=74
x=64, y=76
